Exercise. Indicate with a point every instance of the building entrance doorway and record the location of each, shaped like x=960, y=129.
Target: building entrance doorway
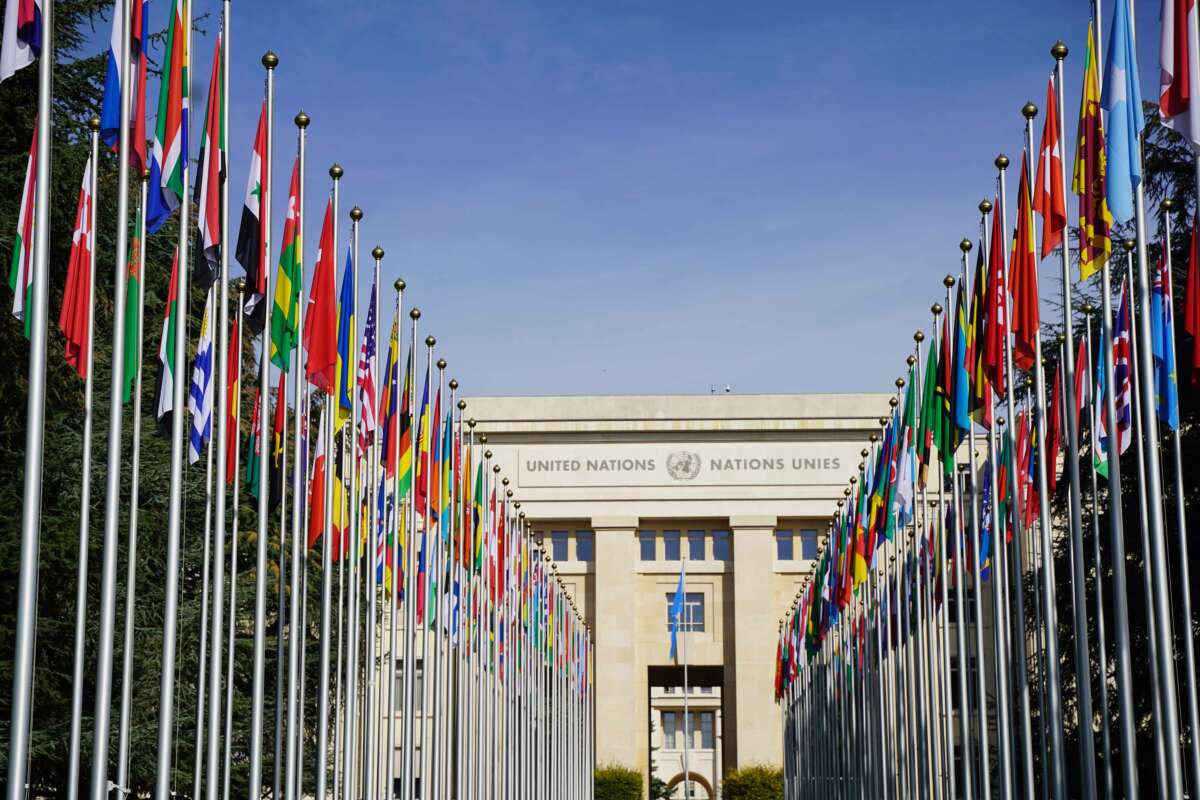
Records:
x=694, y=734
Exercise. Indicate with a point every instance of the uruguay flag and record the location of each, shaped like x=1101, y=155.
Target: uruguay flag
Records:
x=110, y=106
x=200, y=400
x=1122, y=102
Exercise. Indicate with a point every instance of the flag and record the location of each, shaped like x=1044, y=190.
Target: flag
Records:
x=961, y=381
x=1191, y=304
x=164, y=405
x=996, y=307
x=389, y=404
x=133, y=308
x=253, y=444
x=1088, y=180
x=320, y=319
x=345, y=337
x=284, y=317
x=930, y=417
x=1123, y=394
x=114, y=82
x=366, y=378
x=20, y=275
x=423, y=449
x=22, y=42
x=981, y=397
x=1023, y=269
x=233, y=380
x=1162, y=342
x=1122, y=102
x=404, y=479
x=200, y=392
x=169, y=159
x=1179, y=69
x=77, y=306
x=316, y=486
x=278, y=432
x=906, y=467
x=1054, y=429
x=1083, y=391
x=252, y=240
x=210, y=179
x=677, y=606
x=1048, y=192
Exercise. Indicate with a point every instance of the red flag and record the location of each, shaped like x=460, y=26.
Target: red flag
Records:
x=996, y=306
x=1178, y=56
x=1054, y=431
x=1191, y=305
x=320, y=321
x=1048, y=200
x=233, y=375
x=1083, y=383
x=1025, y=320
x=316, y=487
x=77, y=296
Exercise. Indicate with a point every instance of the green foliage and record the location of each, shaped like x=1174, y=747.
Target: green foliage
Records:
x=753, y=782
x=614, y=782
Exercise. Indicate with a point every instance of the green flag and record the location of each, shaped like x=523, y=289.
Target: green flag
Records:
x=133, y=309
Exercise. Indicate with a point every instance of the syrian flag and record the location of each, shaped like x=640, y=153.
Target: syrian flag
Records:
x=77, y=296
x=1048, y=200
x=200, y=393
x=209, y=181
x=164, y=405
x=1179, y=63
x=169, y=159
x=114, y=83
x=251, y=238
x=20, y=274
x=22, y=42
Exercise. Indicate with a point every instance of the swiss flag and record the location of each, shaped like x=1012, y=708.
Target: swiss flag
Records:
x=1048, y=198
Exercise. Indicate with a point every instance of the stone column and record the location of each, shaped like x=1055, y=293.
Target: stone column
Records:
x=622, y=712
x=754, y=717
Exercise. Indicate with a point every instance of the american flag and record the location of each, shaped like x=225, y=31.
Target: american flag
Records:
x=366, y=379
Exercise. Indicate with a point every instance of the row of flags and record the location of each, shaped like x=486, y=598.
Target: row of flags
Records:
x=406, y=513
x=921, y=563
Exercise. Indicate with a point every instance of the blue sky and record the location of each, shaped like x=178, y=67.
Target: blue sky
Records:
x=657, y=197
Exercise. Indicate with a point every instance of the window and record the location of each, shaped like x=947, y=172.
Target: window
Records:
x=696, y=545
x=808, y=545
x=670, y=545
x=668, y=718
x=706, y=690
x=585, y=545
x=783, y=546
x=418, y=686
x=558, y=545
x=706, y=730
x=646, y=545
x=721, y=545
x=693, y=612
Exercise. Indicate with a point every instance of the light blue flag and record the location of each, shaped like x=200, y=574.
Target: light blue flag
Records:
x=676, y=615
x=1122, y=103
x=1166, y=387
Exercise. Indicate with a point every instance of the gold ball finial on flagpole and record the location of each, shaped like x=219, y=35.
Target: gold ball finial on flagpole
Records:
x=483, y=440
x=356, y=214
x=239, y=284
x=950, y=280
x=853, y=479
x=471, y=422
x=935, y=309
x=400, y=284
x=1059, y=338
x=1059, y=50
x=415, y=313
x=985, y=206
x=495, y=467
x=865, y=452
x=1088, y=309
x=919, y=337
x=336, y=172
x=1029, y=110
x=441, y=364
x=504, y=481
x=965, y=246
x=1167, y=204
x=1000, y=421
x=270, y=60
x=1129, y=245
x=454, y=386
x=893, y=402
x=900, y=381
x=462, y=404
x=377, y=253
x=508, y=493
x=302, y=120
x=910, y=360
x=145, y=174
x=94, y=123
x=430, y=341
x=1001, y=162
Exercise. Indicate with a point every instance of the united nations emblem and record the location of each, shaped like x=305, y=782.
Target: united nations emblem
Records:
x=683, y=465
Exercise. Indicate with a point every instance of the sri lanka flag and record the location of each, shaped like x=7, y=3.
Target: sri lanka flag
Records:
x=168, y=162
x=114, y=82
x=22, y=35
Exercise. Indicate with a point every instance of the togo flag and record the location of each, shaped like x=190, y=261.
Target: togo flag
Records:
x=20, y=274
x=285, y=324
x=169, y=158
x=200, y=401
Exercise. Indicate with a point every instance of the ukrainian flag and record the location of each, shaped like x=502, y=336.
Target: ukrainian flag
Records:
x=344, y=376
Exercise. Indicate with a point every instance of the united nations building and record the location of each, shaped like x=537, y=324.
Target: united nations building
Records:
x=624, y=492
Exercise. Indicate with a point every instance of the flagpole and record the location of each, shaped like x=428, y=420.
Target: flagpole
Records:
x=201, y=664
x=370, y=756
x=410, y=582
x=112, y=500
x=323, y=753
x=350, y=772
x=35, y=430
x=397, y=391
x=281, y=603
x=1189, y=645
x=299, y=420
x=270, y=61
x=85, y=489
x=239, y=286
x=134, y=475
x=436, y=578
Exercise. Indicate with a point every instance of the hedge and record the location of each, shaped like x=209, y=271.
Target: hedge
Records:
x=754, y=782
x=614, y=782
